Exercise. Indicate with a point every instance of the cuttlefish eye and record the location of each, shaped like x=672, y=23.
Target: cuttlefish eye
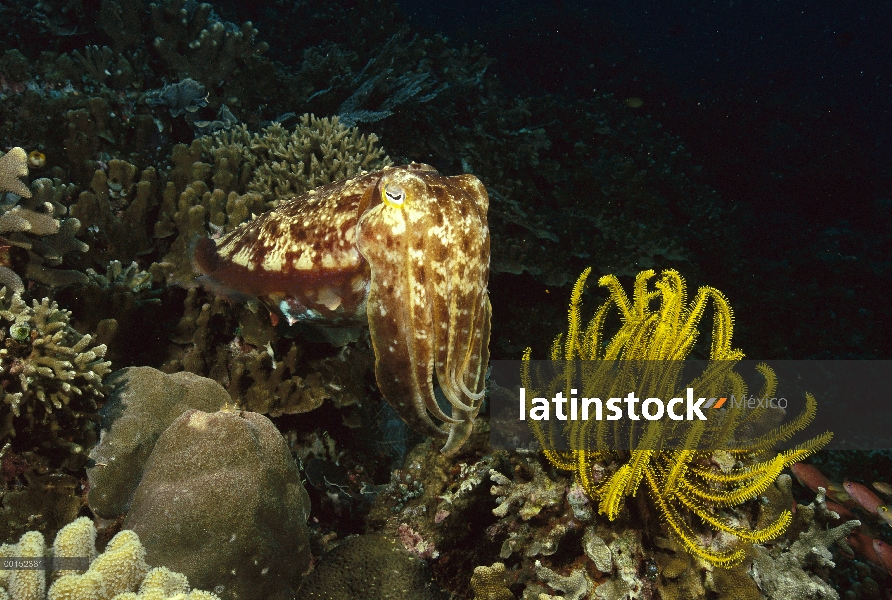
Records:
x=394, y=195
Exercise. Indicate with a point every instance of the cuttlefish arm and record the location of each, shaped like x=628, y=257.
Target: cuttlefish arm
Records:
x=427, y=243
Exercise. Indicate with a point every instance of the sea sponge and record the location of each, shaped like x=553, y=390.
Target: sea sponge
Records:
x=221, y=501
x=142, y=403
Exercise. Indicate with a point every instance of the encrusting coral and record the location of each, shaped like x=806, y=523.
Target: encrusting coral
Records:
x=678, y=481
x=51, y=377
x=113, y=575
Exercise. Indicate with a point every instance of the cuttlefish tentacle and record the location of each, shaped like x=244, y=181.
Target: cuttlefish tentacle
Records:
x=404, y=250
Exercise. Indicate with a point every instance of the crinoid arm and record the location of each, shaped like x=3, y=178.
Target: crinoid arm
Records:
x=679, y=478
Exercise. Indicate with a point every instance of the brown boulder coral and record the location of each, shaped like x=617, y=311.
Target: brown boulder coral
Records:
x=221, y=501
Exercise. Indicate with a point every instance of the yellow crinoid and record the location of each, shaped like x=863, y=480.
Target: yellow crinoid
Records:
x=677, y=461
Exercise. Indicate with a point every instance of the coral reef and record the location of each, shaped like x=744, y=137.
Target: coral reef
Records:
x=142, y=403
x=373, y=567
x=221, y=181
x=52, y=379
x=35, y=497
x=284, y=164
x=117, y=212
x=488, y=583
x=790, y=570
x=263, y=372
x=13, y=166
x=221, y=501
x=114, y=574
x=675, y=481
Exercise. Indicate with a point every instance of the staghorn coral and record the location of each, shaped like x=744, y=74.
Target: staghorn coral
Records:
x=51, y=375
x=680, y=481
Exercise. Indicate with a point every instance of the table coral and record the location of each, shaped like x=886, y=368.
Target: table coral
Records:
x=51, y=375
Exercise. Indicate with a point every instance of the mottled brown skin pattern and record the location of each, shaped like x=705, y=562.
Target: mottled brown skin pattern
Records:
x=405, y=250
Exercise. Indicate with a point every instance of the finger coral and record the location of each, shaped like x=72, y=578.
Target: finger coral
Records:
x=51, y=377
x=645, y=355
x=113, y=575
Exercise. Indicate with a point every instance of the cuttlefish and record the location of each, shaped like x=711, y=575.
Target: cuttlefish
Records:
x=404, y=250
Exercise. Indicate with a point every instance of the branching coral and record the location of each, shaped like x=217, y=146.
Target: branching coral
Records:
x=645, y=355
x=51, y=375
x=117, y=212
x=13, y=165
x=34, y=223
x=286, y=164
x=113, y=575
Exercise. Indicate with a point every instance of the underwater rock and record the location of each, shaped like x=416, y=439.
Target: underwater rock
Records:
x=142, y=403
x=372, y=567
x=221, y=501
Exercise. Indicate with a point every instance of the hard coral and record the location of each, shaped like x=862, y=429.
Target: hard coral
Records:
x=221, y=501
x=112, y=575
x=51, y=377
x=142, y=403
x=289, y=163
x=489, y=583
x=372, y=567
x=13, y=165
